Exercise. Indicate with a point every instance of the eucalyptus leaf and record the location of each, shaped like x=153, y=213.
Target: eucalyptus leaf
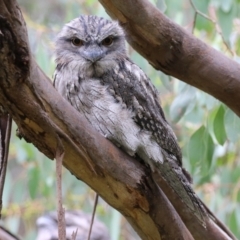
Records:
x=226, y=5
x=161, y=5
x=218, y=126
x=166, y=80
x=234, y=225
x=195, y=147
x=200, y=149
x=232, y=126
x=202, y=5
x=210, y=121
x=33, y=181
x=225, y=20
x=181, y=103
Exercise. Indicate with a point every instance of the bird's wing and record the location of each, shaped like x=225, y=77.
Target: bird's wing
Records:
x=134, y=89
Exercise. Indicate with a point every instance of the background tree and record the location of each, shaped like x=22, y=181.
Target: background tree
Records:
x=208, y=130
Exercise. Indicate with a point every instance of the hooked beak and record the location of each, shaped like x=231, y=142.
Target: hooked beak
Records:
x=93, y=54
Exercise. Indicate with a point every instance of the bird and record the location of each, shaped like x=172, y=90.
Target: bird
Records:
x=96, y=76
x=76, y=221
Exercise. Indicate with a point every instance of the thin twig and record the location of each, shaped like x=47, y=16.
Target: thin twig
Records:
x=194, y=21
x=61, y=210
x=93, y=214
x=74, y=234
x=5, y=135
x=217, y=27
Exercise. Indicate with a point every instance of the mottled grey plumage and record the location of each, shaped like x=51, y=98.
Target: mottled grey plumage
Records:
x=47, y=226
x=96, y=76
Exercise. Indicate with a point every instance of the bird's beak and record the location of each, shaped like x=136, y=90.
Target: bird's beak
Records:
x=93, y=54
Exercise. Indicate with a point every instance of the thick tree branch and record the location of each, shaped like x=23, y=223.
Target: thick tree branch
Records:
x=169, y=48
x=44, y=118
x=5, y=135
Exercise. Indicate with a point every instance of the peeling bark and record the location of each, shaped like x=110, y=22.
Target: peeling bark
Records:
x=44, y=118
x=169, y=48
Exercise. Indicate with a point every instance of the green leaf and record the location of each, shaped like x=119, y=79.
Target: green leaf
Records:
x=194, y=114
x=194, y=147
x=233, y=223
x=232, y=126
x=174, y=9
x=226, y=5
x=204, y=25
x=161, y=5
x=225, y=20
x=210, y=120
x=202, y=5
x=166, y=80
x=206, y=101
x=218, y=126
x=182, y=102
x=200, y=149
x=33, y=181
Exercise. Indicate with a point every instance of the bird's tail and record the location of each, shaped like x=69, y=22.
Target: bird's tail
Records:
x=179, y=180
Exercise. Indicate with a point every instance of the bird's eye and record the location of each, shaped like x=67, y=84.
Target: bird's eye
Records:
x=76, y=41
x=107, y=41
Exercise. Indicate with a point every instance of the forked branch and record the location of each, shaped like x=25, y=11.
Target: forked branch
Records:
x=44, y=119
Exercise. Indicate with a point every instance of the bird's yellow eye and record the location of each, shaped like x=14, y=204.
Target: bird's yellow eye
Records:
x=76, y=41
x=107, y=41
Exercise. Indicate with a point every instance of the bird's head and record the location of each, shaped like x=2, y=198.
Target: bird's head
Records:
x=91, y=43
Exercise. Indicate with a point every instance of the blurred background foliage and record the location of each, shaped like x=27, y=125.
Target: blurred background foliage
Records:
x=207, y=130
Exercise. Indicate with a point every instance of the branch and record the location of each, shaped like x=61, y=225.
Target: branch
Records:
x=169, y=48
x=61, y=211
x=5, y=135
x=44, y=118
